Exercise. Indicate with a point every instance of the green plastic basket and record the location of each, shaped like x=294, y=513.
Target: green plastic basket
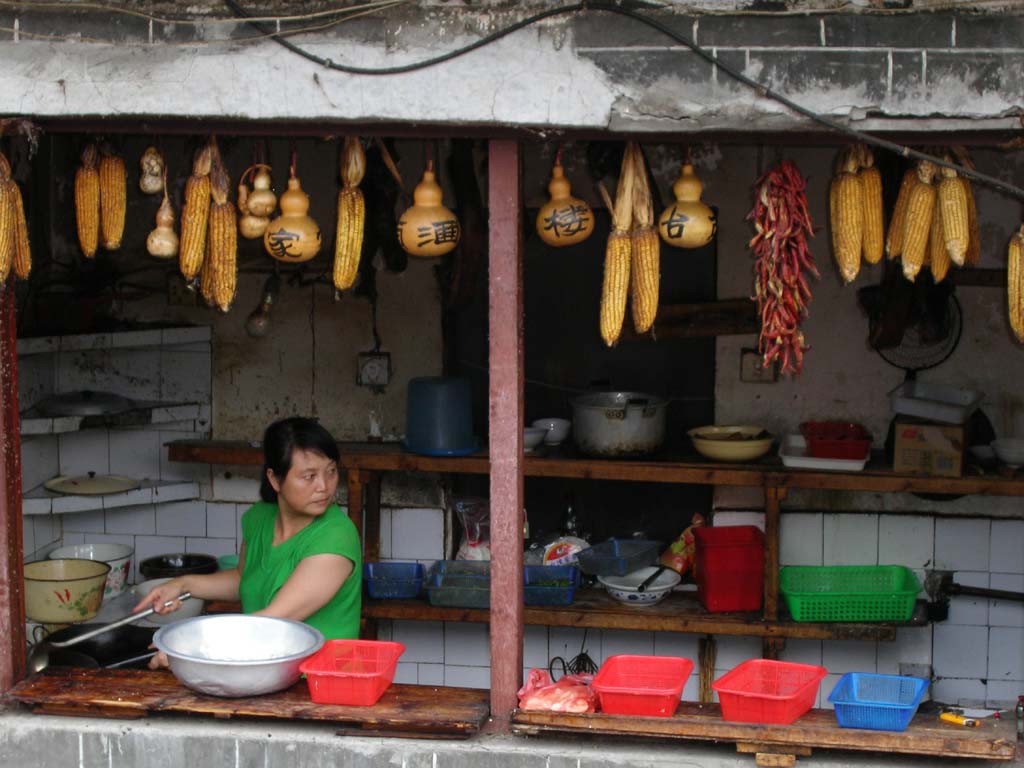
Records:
x=849, y=592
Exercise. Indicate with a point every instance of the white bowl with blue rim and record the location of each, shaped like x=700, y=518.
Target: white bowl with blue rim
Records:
x=626, y=589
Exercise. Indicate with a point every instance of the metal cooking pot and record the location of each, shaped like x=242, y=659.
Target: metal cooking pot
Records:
x=613, y=424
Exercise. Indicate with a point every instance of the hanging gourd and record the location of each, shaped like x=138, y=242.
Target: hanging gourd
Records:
x=151, y=180
x=428, y=229
x=262, y=201
x=250, y=226
x=293, y=237
x=688, y=222
x=564, y=219
x=162, y=242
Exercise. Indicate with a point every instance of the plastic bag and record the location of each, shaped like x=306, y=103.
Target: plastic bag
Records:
x=475, y=516
x=681, y=555
x=572, y=693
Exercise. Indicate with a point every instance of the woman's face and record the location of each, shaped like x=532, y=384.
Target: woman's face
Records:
x=309, y=486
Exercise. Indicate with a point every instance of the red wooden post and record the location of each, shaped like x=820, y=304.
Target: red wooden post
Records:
x=12, y=604
x=507, y=418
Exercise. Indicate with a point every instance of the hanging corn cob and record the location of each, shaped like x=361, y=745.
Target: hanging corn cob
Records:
x=87, y=201
x=617, y=255
x=846, y=216
x=645, y=270
x=195, y=213
x=898, y=223
x=954, y=214
x=348, y=244
x=871, y=194
x=920, y=206
x=1015, y=283
x=113, y=198
x=938, y=256
x=206, y=280
x=973, y=254
x=8, y=216
x=222, y=241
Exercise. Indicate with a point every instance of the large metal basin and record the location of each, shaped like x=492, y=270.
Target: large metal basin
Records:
x=616, y=424
x=237, y=655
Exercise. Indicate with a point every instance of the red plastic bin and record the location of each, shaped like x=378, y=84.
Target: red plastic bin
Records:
x=766, y=691
x=836, y=439
x=730, y=567
x=649, y=686
x=352, y=672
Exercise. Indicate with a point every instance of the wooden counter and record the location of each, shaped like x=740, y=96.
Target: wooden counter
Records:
x=418, y=711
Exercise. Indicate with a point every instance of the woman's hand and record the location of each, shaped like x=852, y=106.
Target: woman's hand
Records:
x=159, y=661
x=168, y=592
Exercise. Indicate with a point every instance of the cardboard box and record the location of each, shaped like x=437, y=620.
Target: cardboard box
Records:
x=927, y=448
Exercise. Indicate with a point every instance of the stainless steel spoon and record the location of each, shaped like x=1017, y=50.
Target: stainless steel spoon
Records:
x=39, y=658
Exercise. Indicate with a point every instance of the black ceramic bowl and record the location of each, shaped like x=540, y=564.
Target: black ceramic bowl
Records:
x=177, y=564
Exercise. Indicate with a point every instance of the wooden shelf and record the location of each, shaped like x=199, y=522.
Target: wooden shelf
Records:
x=594, y=608
x=769, y=472
x=926, y=734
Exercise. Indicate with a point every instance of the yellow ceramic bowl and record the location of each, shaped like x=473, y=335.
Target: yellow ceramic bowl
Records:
x=63, y=591
x=731, y=443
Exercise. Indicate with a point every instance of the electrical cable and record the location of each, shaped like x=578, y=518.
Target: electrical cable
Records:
x=608, y=7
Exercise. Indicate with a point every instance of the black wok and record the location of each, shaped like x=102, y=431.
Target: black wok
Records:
x=109, y=648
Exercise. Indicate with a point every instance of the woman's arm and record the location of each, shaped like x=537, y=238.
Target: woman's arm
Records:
x=222, y=585
x=311, y=586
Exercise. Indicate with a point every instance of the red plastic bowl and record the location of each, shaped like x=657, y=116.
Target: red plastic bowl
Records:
x=836, y=439
x=648, y=686
x=766, y=691
x=352, y=672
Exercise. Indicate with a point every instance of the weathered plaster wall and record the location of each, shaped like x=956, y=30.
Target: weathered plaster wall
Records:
x=590, y=70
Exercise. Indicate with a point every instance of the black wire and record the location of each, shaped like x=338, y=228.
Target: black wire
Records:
x=629, y=12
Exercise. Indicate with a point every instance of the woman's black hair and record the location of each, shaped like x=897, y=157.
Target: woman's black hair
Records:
x=279, y=443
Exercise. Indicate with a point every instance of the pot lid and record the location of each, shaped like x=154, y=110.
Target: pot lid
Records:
x=85, y=403
x=91, y=484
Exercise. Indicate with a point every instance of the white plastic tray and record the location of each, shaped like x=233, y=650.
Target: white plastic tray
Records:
x=793, y=452
x=935, y=402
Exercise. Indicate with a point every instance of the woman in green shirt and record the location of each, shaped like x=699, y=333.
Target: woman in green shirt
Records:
x=300, y=556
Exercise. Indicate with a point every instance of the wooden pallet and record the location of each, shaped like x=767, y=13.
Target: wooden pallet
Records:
x=780, y=745
x=404, y=710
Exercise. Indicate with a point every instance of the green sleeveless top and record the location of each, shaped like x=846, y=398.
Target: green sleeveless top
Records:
x=267, y=567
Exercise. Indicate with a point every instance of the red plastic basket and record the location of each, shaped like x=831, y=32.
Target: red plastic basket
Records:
x=730, y=567
x=649, y=686
x=765, y=691
x=836, y=439
x=352, y=672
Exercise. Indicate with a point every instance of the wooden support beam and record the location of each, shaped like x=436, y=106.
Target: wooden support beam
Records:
x=507, y=416
x=12, y=602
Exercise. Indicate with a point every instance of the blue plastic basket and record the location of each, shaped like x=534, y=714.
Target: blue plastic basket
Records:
x=393, y=581
x=550, y=584
x=876, y=702
x=617, y=557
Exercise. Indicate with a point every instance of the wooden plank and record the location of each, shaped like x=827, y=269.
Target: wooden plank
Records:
x=12, y=602
x=594, y=608
x=507, y=416
x=726, y=317
x=390, y=457
x=403, y=709
x=926, y=735
x=774, y=760
x=790, y=749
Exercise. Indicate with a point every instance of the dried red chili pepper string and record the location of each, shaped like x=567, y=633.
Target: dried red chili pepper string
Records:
x=782, y=259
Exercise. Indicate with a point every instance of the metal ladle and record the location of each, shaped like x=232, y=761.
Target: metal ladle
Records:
x=39, y=658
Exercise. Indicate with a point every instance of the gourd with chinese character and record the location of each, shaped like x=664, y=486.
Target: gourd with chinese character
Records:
x=564, y=219
x=293, y=237
x=688, y=222
x=428, y=229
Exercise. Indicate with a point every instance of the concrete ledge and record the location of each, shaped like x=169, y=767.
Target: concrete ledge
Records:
x=59, y=742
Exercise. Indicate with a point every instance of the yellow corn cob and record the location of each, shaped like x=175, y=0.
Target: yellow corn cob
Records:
x=952, y=205
x=195, y=214
x=222, y=241
x=938, y=256
x=846, y=217
x=615, y=289
x=206, y=279
x=871, y=194
x=8, y=227
x=645, y=270
x=87, y=202
x=349, y=238
x=898, y=223
x=113, y=192
x=1015, y=283
x=973, y=255
x=920, y=208
x=22, y=250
